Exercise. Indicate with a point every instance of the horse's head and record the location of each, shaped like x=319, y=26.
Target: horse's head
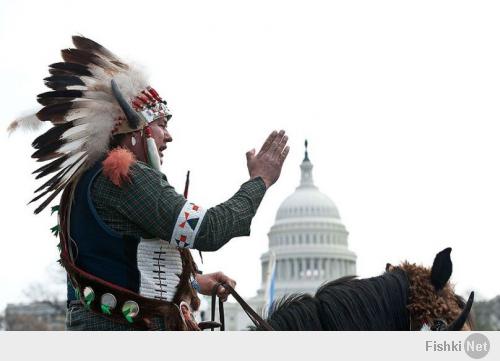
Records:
x=433, y=303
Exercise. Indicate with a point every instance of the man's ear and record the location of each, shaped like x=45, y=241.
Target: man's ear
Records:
x=441, y=269
x=389, y=267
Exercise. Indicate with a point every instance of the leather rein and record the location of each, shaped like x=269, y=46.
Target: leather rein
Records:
x=258, y=321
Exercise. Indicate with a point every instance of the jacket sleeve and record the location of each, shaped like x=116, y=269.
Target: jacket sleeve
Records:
x=231, y=218
x=153, y=204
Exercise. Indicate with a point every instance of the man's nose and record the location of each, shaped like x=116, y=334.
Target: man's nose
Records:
x=168, y=137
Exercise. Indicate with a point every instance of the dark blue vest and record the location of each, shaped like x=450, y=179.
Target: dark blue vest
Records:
x=99, y=249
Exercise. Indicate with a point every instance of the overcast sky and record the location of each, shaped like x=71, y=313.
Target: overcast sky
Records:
x=400, y=104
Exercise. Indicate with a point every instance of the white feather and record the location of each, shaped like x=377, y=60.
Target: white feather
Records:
x=73, y=170
x=76, y=87
x=75, y=132
x=100, y=73
x=29, y=122
x=100, y=131
x=75, y=129
x=131, y=82
x=78, y=113
x=98, y=95
x=71, y=146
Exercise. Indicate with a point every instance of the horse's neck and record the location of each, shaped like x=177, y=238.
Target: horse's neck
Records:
x=377, y=303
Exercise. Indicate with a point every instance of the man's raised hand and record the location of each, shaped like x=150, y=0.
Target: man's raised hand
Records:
x=269, y=161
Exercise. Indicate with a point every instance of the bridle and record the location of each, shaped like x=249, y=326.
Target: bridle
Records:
x=258, y=321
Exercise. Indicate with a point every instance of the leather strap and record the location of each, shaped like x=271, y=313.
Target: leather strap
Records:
x=221, y=309
x=258, y=321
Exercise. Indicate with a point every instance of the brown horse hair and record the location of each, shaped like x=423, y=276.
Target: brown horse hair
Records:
x=425, y=304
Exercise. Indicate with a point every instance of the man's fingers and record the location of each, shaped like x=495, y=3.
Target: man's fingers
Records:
x=250, y=154
x=267, y=143
x=284, y=154
x=222, y=293
x=281, y=146
x=276, y=142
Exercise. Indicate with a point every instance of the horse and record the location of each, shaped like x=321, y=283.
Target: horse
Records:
x=404, y=297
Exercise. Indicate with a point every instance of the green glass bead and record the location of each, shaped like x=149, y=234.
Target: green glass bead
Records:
x=88, y=296
x=130, y=310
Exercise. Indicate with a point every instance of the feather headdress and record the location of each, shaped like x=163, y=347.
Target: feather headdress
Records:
x=94, y=96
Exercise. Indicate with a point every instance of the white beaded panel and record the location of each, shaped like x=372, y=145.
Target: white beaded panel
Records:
x=160, y=266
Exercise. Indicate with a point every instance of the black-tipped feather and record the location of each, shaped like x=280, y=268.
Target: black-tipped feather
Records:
x=61, y=94
x=53, y=182
x=55, y=112
x=60, y=72
x=71, y=68
x=57, y=186
x=54, y=100
x=50, y=183
x=58, y=96
x=61, y=82
x=49, y=156
x=51, y=135
x=48, y=149
x=45, y=203
x=82, y=57
x=91, y=46
x=50, y=167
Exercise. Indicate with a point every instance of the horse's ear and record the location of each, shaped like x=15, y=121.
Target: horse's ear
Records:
x=441, y=269
x=389, y=267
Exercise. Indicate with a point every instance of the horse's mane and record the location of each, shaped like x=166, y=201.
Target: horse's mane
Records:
x=377, y=303
x=295, y=312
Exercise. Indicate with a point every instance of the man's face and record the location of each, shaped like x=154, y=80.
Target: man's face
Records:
x=160, y=135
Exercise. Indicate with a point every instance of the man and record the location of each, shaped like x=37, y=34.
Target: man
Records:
x=125, y=233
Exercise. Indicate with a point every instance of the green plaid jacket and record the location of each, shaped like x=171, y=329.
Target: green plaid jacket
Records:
x=148, y=207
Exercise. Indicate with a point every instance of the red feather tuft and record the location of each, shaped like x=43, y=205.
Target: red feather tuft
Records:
x=117, y=164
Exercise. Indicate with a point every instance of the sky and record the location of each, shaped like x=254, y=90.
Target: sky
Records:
x=399, y=102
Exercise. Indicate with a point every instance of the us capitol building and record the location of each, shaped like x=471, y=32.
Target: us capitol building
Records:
x=309, y=243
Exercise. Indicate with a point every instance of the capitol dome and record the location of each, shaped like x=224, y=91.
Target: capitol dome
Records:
x=307, y=202
x=307, y=239
x=307, y=244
